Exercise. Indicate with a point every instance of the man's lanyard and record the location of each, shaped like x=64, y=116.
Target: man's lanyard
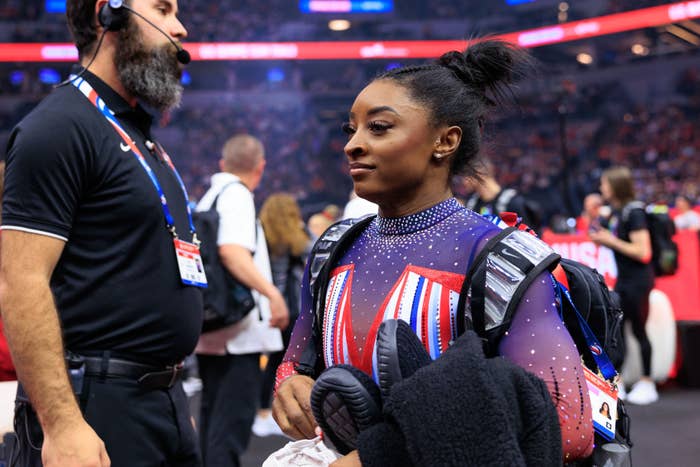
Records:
x=88, y=91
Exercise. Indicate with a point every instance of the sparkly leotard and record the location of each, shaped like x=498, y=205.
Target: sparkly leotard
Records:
x=412, y=268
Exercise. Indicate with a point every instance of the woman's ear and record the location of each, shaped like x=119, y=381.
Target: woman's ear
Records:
x=448, y=141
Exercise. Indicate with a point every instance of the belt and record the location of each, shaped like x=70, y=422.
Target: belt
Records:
x=148, y=376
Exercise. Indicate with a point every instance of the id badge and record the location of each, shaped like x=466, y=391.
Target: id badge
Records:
x=189, y=262
x=603, y=403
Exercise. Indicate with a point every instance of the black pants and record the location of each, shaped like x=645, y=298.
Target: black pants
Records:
x=139, y=427
x=635, y=306
x=230, y=394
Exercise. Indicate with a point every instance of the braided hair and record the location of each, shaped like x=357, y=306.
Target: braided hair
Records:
x=461, y=87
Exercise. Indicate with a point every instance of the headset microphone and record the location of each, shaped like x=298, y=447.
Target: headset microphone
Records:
x=182, y=55
x=112, y=18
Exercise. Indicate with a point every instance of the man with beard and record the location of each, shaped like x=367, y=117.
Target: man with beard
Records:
x=98, y=287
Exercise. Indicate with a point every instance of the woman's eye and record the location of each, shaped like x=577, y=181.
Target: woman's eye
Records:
x=348, y=129
x=378, y=127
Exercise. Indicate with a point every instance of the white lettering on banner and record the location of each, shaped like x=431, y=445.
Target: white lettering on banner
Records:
x=681, y=11
x=59, y=52
x=330, y=7
x=541, y=36
x=589, y=27
x=231, y=51
x=379, y=50
x=588, y=253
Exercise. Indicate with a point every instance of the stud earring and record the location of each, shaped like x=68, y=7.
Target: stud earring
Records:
x=438, y=156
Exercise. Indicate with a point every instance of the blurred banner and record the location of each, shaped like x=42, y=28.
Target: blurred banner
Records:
x=564, y=32
x=682, y=289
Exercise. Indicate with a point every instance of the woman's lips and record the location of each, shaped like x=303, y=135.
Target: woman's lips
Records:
x=358, y=168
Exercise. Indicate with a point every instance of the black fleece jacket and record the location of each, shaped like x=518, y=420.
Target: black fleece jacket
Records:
x=466, y=410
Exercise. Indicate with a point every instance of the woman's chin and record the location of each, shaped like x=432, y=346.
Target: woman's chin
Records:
x=364, y=192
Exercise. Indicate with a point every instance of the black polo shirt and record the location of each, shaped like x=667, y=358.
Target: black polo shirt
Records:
x=116, y=284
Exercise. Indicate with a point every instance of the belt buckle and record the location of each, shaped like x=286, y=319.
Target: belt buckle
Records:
x=175, y=372
x=170, y=371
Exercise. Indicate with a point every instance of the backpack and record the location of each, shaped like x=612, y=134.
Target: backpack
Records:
x=664, y=251
x=585, y=294
x=226, y=300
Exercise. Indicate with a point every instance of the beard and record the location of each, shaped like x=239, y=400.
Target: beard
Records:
x=150, y=75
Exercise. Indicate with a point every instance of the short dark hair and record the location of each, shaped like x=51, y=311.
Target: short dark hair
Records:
x=82, y=23
x=461, y=87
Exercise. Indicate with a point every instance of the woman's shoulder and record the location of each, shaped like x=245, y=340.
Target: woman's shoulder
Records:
x=475, y=226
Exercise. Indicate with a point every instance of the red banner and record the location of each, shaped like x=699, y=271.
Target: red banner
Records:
x=564, y=32
x=682, y=289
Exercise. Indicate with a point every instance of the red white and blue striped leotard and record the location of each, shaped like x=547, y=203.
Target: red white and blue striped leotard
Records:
x=412, y=268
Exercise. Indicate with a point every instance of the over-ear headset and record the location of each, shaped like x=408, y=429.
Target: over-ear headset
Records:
x=113, y=15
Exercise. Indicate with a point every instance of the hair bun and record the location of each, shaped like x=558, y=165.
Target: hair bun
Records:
x=486, y=64
x=457, y=63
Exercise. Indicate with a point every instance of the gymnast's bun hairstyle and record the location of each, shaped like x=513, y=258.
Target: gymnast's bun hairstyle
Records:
x=461, y=88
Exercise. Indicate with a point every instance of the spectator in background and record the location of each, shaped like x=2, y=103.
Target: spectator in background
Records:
x=590, y=216
x=332, y=212
x=288, y=244
x=229, y=358
x=686, y=218
x=319, y=222
x=628, y=237
x=489, y=198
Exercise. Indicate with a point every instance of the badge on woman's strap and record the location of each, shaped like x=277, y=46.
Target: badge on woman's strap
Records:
x=603, y=397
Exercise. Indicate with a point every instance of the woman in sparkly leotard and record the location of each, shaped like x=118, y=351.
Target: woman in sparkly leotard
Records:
x=410, y=131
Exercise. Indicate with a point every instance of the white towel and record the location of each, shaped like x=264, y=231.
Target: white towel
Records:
x=305, y=452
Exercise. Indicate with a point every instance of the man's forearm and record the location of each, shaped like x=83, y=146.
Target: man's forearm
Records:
x=240, y=264
x=34, y=334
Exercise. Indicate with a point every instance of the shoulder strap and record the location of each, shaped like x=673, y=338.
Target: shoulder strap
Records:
x=496, y=281
x=214, y=203
x=214, y=206
x=324, y=255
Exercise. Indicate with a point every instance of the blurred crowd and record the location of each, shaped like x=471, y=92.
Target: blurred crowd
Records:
x=556, y=143
x=303, y=156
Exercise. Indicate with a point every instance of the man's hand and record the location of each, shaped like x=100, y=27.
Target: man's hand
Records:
x=34, y=333
x=279, y=314
x=291, y=407
x=74, y=446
